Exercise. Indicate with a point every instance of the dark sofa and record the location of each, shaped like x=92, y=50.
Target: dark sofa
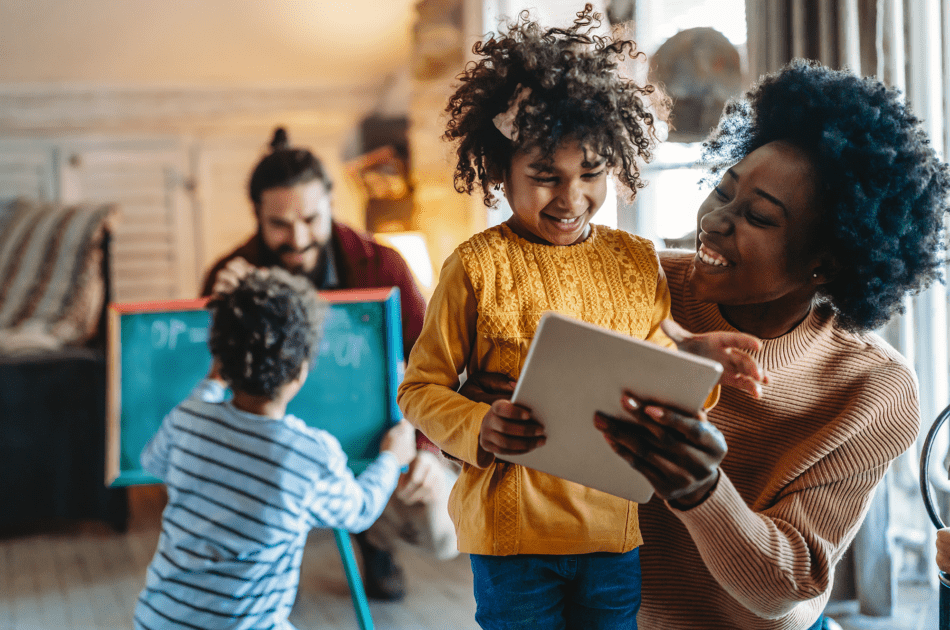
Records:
x=52, y=433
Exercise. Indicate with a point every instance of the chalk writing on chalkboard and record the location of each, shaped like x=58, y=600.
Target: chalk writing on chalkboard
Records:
x=158, y=352
x=165, y=334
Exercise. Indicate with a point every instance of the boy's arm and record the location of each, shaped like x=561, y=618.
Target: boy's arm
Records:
x=210, y=390
x=427, y=394
x=342, y=501
x=154, y=457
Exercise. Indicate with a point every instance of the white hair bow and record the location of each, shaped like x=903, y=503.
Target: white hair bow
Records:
x=505, y=121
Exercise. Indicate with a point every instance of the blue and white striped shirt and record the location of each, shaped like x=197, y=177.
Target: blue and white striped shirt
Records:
x=243, y=492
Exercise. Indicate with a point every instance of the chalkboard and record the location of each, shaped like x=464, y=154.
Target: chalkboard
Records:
x=158, y=352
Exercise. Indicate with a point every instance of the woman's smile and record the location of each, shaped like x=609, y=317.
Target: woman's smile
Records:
x=710, y=257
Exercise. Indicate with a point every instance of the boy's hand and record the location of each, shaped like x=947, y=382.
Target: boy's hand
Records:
x=401, y=442
x=508, y=429
x=728, y=348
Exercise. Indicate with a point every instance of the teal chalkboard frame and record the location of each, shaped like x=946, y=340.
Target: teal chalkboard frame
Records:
x=158, y=352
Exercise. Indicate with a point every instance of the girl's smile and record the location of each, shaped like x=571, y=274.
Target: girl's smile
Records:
x=553, y=200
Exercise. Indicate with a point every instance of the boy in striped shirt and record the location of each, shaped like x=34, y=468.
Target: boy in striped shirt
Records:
x=246, y=482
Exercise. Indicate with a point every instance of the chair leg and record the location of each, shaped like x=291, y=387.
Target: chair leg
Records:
x=360, y=603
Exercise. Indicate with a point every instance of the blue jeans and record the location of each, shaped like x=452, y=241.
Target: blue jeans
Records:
x=593, y=591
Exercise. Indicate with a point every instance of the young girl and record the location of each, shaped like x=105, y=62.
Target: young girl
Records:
x=545, y=116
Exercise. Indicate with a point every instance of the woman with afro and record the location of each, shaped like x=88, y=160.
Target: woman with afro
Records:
x=546, y=116
x=827, y=211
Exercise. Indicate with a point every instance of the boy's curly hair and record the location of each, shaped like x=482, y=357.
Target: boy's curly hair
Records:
x=882, y=188
x=264, y=330
x=577, y=92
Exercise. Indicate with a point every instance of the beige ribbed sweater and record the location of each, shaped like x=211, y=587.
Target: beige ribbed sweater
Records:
x=802, y=466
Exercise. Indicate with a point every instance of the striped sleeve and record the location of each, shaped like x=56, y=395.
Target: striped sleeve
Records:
x=154, y=457
x=339, y=500
x=772, y=559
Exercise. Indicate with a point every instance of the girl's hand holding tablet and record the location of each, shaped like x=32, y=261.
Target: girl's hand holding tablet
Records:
x=509, y=429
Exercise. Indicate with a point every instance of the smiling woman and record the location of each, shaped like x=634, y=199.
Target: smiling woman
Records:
x=758, y=245
x=828, y=211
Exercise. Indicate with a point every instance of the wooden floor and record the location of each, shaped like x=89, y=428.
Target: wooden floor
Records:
x=84, y=576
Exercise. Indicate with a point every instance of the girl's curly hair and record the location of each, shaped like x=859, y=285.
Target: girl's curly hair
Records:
x=882, y=189
x=577, y=92
x=264, y=330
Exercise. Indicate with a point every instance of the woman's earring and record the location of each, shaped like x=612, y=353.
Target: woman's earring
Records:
x=814, y=275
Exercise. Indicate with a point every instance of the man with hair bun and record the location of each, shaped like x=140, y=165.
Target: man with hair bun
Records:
x=290, y=190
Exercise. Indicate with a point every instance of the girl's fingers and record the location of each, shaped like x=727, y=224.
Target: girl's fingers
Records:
x=507, y=409
x=519, y=429
x=675, y=332
x=741, y=363
x=494, y=382
x=507, y=445
x=739, y=341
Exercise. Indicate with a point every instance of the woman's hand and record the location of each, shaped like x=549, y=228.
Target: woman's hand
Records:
x=679, y=454
x=728, y=348
x=508, y=429
x=487, y=387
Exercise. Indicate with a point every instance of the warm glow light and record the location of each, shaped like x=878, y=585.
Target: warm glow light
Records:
x=412, y=247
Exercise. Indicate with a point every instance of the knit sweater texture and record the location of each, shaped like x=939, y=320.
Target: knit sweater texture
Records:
x=802, y=466
x=482, y=316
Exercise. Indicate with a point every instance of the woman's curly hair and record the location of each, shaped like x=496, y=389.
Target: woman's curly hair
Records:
x=577, y=92
x=882, y=189
x=264, y=330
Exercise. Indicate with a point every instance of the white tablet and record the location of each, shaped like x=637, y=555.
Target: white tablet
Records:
x=574, y=369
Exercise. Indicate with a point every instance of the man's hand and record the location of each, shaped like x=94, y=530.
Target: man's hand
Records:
x=420, y=483
x=731, y=349
x=230, y=275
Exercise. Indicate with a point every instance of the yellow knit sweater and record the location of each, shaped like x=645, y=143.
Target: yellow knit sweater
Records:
x=482, y=317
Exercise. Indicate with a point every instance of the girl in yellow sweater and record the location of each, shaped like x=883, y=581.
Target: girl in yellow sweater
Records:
x=545, y=116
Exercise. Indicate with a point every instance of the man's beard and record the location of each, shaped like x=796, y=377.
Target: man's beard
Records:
x=286, y=249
